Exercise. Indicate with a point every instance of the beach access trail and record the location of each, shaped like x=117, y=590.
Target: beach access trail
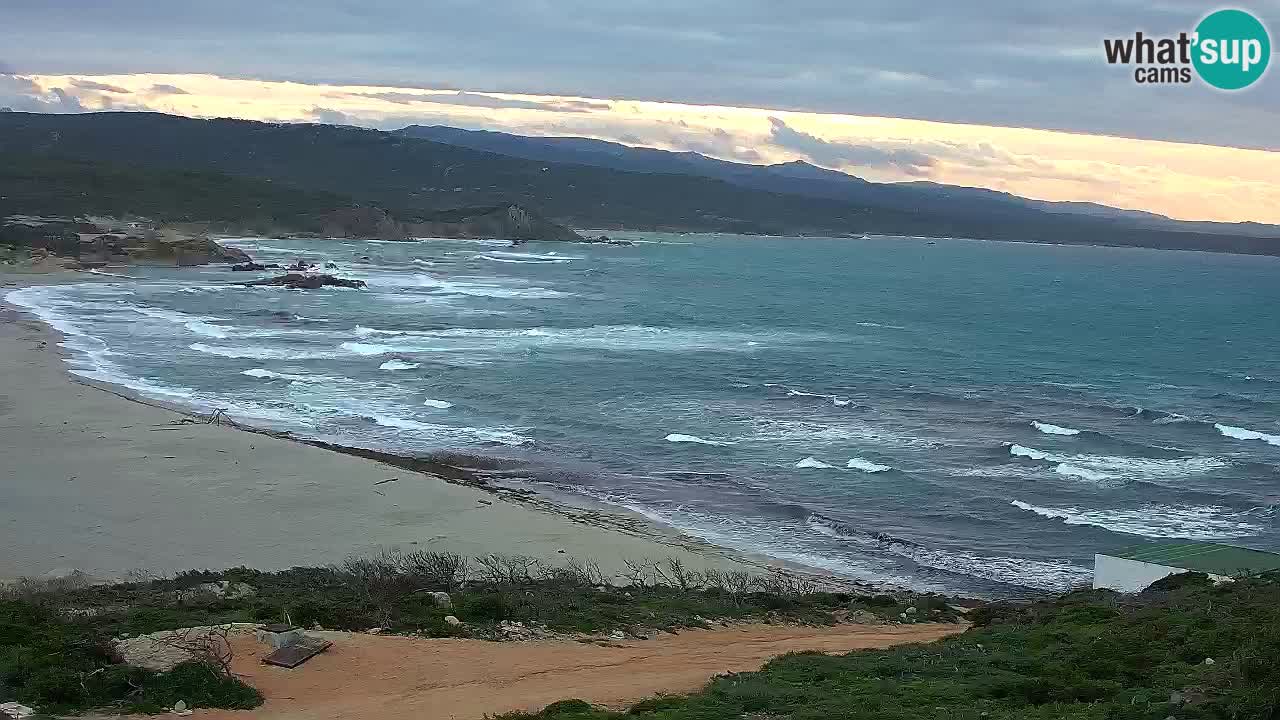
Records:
x=368, y=677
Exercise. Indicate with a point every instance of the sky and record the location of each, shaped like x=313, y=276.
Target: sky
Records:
x=1005, y=94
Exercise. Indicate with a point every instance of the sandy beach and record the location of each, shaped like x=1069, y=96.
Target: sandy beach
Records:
x=94, y=481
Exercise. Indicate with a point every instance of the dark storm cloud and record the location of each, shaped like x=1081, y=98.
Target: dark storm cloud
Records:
x=100, y=87
x=1005, y=62
x=837, y=155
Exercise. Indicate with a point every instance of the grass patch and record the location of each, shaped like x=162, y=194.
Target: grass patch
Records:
x=1184, y=649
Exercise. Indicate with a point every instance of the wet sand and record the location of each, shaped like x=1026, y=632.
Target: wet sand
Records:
x=367, y=676
x=94, y=481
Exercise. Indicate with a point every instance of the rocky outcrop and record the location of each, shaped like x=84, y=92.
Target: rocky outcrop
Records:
x=251, y=266
x=364, y=222
x=299, y=281
x=504, y=222
x=156, y=249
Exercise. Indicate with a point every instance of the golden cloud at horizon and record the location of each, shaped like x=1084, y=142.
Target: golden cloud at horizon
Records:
x=1181, y=180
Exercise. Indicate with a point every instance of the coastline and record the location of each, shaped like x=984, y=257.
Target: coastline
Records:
x=105, y=482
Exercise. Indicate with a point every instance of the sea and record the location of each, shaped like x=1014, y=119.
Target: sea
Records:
x=949, y=415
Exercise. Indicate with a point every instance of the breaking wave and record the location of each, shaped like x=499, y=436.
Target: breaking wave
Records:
x=681, y=438
x=1188, y=522
x=1108, y=467
x=397, y=365
x=866, y=466
x=1048, y=429
x=812, y=463
x=1239, y=433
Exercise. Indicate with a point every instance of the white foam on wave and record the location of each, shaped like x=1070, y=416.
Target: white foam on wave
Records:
x=812, y=463
x=522, y=258
x=1117, y=467
x=256, y=352
x=771, y=430
x=368, y=349
x=397, y=365
x=503, y=437
x=1076, y=471
x=596, y=337
x=438, y=404
x=1239, y=433
x=292, y=377
x=682, y=438
x=362, y=331
x=1049, y=429
x=1187, y=522
x=1039, y=574
x=866, y=466
x=535, y=256
x=90, y=354
x=500, y=288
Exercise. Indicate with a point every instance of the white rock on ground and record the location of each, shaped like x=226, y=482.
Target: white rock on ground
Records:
x=155, y=651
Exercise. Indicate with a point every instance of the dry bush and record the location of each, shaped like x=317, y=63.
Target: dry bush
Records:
x=510, y=569
x=208, y=645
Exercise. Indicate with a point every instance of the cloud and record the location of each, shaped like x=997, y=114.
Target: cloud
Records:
x=21, y=93
x=331, y=117
x=839, y=154
x=470, y=99
x=165, y=89
x=100, y=87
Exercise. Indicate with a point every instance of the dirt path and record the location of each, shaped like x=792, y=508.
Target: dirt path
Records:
x=387, y=678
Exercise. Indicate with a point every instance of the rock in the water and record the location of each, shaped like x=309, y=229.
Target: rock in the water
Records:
x=299, y=281
x=250, y=266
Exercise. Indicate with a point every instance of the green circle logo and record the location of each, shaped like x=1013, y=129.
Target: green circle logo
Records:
x=1232, y=49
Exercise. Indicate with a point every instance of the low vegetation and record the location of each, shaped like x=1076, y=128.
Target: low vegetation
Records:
x=62, y=664
x=1185, y=648
x=55, y=640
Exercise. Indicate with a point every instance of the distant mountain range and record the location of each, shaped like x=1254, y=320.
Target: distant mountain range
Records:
x=801, y=178
x=288, y=174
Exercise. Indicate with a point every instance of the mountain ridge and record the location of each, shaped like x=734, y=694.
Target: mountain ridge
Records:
x=418, y=177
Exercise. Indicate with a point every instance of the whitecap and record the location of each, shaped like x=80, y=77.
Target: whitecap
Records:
x=1048, y=429
x=1076, y=471
x=362, y=331
x=367, y=348
x=866, y=465
x=1156, y=521
x=438, y=404
x=269, y=374
x=1246, y=434
x=1124, y=467
x=681, y=438
x=812, y=463
x=259, y=353
x=394, y=364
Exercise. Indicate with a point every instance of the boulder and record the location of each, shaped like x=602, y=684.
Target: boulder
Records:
x=451, y=620
x=299, y=281
x=442, y=599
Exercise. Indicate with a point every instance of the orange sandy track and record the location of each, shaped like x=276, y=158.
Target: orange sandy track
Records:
x=368, y=677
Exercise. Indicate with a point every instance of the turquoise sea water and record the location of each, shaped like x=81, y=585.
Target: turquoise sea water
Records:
x=969, y=416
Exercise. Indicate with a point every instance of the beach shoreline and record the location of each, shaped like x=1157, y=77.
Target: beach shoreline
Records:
x=107, y=482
